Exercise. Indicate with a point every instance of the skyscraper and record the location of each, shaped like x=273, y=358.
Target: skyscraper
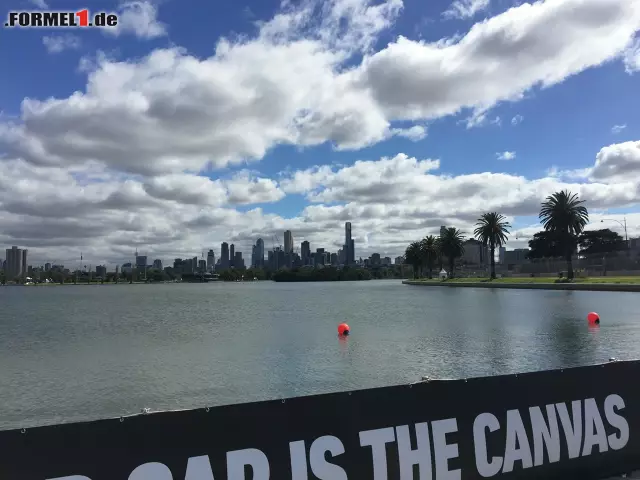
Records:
x=232, y=255
x=305, y=252
x=288, y=241
x=16, y=262
x=260, y=253
x=211, y=261
x=443, y=229
x=349, y=246
x=224, y=255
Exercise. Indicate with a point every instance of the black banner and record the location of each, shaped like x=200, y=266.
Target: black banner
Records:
x=574, y=423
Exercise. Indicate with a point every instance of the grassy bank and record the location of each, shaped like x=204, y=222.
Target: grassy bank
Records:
x=611, y=284
x=588, y=280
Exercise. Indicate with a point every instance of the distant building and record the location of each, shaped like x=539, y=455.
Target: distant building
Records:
x=334, y=259
x=349, y=246
x=141, y=262
x=202, y=266
x=47, y=267
x=475, y=253
x=101, y=271
x=443, y=229
x=501, y=255
x=288, y=241
x=386, y=261
x=305, y=252
x=211, y=261
x=224, y=255
x=16, y=262
x=374, y=260
x=157, y=264
x=399, y=260
x=232, y=255
x=319, y=256
x=127, y=268
x=238, y=262
x=259, y=253
x=516, y=257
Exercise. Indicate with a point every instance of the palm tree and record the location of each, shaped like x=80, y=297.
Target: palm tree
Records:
x=430, y=250
x=451, y=245
x=492, y=229
x=413, y=256
x=563, y=214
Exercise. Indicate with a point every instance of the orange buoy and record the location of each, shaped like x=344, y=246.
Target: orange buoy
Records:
x=593, y=318
x=343, y=329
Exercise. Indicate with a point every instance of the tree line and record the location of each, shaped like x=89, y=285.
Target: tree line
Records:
x=563, y=217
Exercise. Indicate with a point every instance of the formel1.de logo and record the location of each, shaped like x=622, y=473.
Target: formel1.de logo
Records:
x=60, y=19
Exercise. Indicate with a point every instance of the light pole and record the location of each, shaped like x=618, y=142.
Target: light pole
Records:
x=623, y=225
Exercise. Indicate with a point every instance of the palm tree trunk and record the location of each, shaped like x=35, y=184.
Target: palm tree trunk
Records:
x=569, y=266
x=452, y=262
x=492, y=249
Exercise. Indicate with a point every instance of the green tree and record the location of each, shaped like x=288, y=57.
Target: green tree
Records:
x=413, y=257
x=492, y=230
x=600, y=242
x=563, y=214
x=430, y=250
x=544, y=245
x=452, y=247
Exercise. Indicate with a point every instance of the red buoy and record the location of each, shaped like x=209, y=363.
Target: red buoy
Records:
x=343, y=329
x=593, y=318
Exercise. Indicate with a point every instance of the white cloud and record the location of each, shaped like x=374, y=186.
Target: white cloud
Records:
x=617, y=129
x=139, y=18
x=463, y=9
x=39, y=3
x=392, y=201
x=517, y=120
x=290, y=85
x=632, y=57
x=499, y=59
x=415, y=133
x=617, y=163
x=59, y=43
x=478, y=118
x=506, y=155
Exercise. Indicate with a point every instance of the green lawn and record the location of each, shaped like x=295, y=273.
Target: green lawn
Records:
x=633, y=280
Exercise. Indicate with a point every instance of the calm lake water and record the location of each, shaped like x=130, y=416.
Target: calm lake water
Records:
x=75, y=353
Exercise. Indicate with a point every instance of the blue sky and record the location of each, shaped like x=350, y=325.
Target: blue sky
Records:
x=490, y=61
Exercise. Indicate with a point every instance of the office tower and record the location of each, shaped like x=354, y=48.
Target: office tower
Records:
x=16, y=262
x=260, y=253
x=348, y=245
x=211, y=261
x=141, y=262
x=352, y=252
x=157, y=264
x=47, y=267
x=502, y=251
x=232, y=254
x=305, y=252
x=288, y=242
x=238, y=262
x=224, y=255
x=202, y=266
x=443, y=229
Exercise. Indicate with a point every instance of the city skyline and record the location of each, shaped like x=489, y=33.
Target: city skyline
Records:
x=176, y=134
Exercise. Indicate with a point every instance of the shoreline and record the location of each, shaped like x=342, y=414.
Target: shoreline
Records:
x=588, y=287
